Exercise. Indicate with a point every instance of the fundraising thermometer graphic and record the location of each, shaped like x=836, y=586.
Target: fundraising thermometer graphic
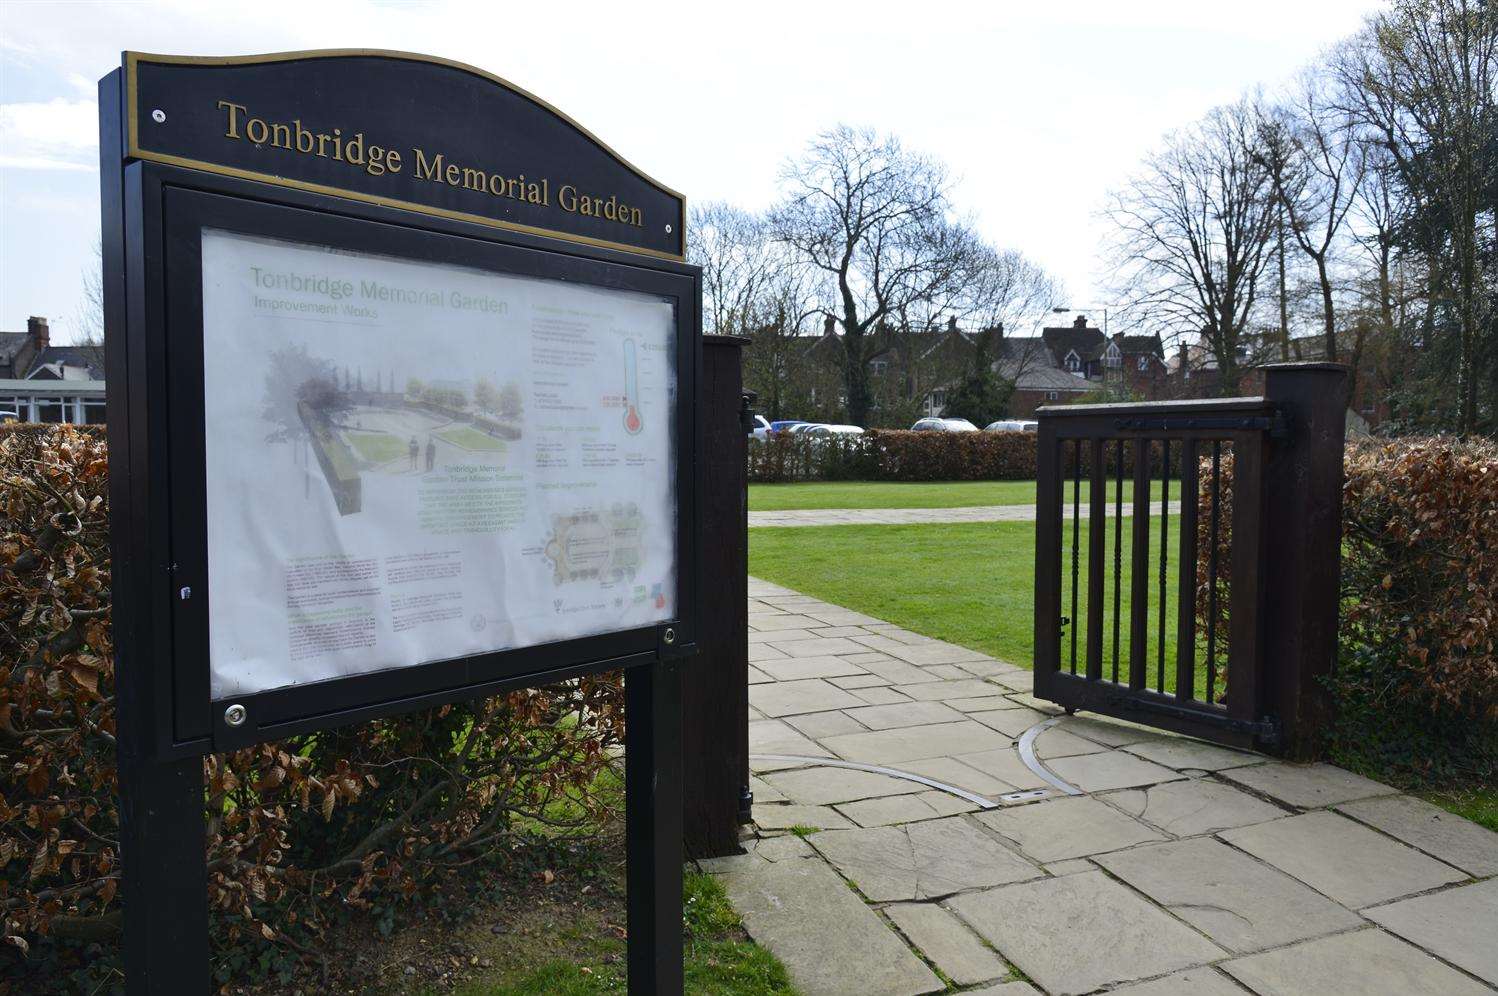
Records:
x=632, y=421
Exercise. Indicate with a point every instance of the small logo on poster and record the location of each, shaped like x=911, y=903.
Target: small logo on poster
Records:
x=658, y=594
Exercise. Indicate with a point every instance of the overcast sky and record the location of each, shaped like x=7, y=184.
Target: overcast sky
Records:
x=1038, y=108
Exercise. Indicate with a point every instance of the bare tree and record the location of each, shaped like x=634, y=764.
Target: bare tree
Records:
x=753, y=286
x=1192, y=229
x=1419, y=80
x=91, y=306
x=738, y=257
x=1008, y=290
x=874, y=221
x=1375, y=223
x=1315, y=163
x=775, y=363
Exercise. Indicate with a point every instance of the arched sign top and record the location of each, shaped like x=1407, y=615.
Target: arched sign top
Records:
x=403, y=130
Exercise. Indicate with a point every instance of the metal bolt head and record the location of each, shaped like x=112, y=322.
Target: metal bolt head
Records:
x=158, y=115
x=669, y=636
x=668, y=229
x=185, y=593
x=235, y=715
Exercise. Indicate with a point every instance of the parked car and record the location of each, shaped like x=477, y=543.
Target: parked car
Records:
x=9, y=417
x=833, y=430
x=786, y=425
x=1012, y=425
x=761, y=428
x=801, y=427
x=943, y=425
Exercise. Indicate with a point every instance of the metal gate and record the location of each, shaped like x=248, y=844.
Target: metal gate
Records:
x=1149, y=564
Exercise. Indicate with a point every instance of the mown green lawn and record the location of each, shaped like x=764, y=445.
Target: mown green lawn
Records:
x=468, y=438
x=376, y=447
x=896, y=494
x=972, y=584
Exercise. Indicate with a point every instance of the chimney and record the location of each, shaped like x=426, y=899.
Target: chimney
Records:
x=36, y=329
x=1080, y=322
x=828, y=325
x=951, y=323
x=1118, y=338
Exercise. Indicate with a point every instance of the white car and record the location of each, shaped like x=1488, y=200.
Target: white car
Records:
x=761, y=428
x=943, y=425
x=1012, y=425
x=824, y=429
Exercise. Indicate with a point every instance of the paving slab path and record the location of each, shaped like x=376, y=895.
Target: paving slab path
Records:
x=913, y=516
x=1166, y=866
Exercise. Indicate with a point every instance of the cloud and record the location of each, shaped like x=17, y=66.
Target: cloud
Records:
x=56, y=134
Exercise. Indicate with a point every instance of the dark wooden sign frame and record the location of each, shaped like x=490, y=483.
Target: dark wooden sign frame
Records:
x=156, y=201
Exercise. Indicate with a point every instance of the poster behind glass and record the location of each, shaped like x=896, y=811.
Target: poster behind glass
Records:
x=409, y=462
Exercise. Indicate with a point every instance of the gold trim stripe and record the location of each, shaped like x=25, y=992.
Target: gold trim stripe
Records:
x=136, y=152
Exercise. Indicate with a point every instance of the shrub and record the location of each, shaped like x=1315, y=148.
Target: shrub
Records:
x=1420, y=568
x=367, y=820
x=1417, y=678
x=894, y=455
x=1416, y=683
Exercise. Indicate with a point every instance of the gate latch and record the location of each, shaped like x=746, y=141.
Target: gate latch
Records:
x=746, y=411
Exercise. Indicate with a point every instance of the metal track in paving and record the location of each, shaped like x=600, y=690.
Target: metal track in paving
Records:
x=830, y=762
x=1027, y=754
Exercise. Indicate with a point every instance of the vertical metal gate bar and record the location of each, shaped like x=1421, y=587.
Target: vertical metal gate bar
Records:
x=1164, y=559
x=1048, y=493
x=1213, y=543
x=1097, y=547
x=1076, y=531
x=1186, y=574
x=1118, y=464
x=1139, y=578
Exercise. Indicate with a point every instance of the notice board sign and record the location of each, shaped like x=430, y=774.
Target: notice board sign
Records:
x=401, y=403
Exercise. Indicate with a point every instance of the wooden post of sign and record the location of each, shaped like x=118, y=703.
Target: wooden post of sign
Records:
x=163, y=862
x=715, y=691
x=653, y=819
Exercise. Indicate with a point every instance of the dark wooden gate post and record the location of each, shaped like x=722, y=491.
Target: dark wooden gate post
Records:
x=1303, y=520
x=715, y=692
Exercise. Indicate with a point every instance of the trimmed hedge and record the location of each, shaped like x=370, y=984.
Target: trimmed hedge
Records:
x=1416, y=684
x=1420, y=531
x=894, y=455
x=1417, y=677
x=378, y=822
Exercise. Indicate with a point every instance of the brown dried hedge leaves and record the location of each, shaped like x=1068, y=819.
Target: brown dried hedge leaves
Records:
x=299, y=832
x=1420, y=565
